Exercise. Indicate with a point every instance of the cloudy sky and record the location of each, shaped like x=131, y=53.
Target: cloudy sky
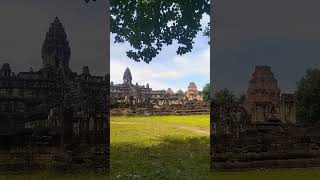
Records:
x=283, y=34
x=24, y=25
x=167, y=70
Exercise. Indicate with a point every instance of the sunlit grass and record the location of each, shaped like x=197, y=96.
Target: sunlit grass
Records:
x=191, y=120
x=159, y=147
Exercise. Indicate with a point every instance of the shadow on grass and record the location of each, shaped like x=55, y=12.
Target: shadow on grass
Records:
x=185, y=158
x=172, y=158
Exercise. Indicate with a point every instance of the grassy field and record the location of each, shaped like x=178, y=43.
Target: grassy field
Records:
x=175, y=147
x=167, y=147
x=164, y=147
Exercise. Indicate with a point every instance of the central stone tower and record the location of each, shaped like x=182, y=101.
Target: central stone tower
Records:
x=192, y=92
x=263, y=95
x=55, y=48
x=127, y=77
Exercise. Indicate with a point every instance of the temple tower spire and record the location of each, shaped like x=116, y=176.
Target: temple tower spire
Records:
x=127, y=77
x=55, y=48
x=263, y=91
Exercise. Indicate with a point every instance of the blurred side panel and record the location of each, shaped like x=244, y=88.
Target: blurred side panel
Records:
x=54, y=86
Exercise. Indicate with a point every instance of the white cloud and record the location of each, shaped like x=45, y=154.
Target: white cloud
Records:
x=197, y=64
x=204, y=21
x=181, y=68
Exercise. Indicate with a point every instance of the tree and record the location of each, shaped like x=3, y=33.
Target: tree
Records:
x=149, y=24
x=206, y=92
x=180, y=92
x=308, y=97
x=224, y=96
x=242, y=98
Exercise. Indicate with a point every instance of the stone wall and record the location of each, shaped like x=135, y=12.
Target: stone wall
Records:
x=69, y=160
x=238, y=143
x=174, y=109
x=278, y=147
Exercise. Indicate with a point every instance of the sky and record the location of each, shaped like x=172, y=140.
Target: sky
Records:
x=24, y=25
x=283, y=34
x=167, y=70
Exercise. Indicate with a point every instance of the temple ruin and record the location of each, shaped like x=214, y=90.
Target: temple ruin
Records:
x=263, y=131
x=264, y=101
x=54, y=118
x=133, y=99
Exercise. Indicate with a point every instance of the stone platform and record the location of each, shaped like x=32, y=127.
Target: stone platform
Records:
x=190, y=109
x=267, y=145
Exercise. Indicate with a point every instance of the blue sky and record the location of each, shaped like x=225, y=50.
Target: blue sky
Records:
x=167, y=70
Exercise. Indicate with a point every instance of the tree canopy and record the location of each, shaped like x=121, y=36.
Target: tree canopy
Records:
x=206, y=92
x=308, y=97
x=179, y=92
x=148, y=25
x=224, y=96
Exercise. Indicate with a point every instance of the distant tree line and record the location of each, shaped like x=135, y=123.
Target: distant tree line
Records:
x=226, y=96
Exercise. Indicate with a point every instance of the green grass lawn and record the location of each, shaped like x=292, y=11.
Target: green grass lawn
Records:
x=162, y=147
x=167, y=147
x=175, y=147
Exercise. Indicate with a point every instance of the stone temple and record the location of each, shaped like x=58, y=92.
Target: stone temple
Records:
x=130, y=93
x=134, y=99
x=55, y=112
x=263, y=131
x=264, y=101
x=192, y=92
